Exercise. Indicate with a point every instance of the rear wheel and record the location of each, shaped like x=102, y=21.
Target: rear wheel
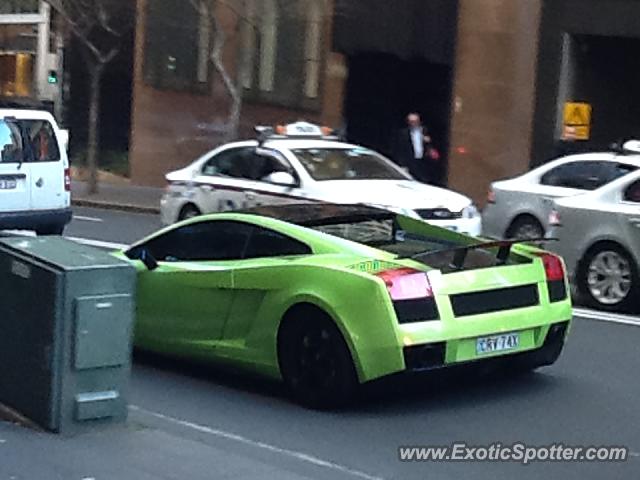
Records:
x=189, y=211
x=315, y=361
x=50, y=230
x=608, y=278
x=525, y=227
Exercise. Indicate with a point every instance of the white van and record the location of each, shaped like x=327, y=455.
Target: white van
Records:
x=35, y=181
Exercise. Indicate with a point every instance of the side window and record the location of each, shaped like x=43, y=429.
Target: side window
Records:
x=42, y=141
x=632, y=193
x=269, y=164
x=267, y=243
x=585, y=175
x=213, y=240
x=10, y=143
x=229, y=163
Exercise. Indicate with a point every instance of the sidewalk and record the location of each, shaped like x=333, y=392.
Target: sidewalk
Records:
x=139, y=450
x=121, y=197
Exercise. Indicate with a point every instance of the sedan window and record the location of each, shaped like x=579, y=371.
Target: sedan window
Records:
x=582, y=175
x=632, y=194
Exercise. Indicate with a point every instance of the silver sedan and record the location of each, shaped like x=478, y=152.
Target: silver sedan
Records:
x=599, y=238
x=519, y=207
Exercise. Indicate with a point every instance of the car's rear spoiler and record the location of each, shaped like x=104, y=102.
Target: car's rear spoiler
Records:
x=460, y=252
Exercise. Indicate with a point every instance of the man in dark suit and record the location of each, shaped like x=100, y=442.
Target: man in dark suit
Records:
x=414, y=150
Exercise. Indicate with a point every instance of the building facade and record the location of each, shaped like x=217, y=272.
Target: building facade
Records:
x=277, y=53
x=492, y=78
x=31, y=55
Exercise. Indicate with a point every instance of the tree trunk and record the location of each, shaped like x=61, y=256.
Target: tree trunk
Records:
x=93, y=143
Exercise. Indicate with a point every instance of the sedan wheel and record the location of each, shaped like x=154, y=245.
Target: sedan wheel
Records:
x=609, y=279
x=526, y=227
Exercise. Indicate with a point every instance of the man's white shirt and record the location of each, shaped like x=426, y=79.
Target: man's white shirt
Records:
x=417, y=139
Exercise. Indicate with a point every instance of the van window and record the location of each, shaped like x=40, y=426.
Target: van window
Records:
x=28, y=141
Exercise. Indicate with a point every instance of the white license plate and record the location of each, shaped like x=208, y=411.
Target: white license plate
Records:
x=497, y=343
x=8, y=184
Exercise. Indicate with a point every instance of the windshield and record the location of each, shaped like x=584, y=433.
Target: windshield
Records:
x=347, y=164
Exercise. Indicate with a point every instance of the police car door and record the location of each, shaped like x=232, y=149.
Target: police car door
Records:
x=277, y=181
x=222, y=183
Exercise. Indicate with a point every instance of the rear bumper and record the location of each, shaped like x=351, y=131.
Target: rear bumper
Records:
x=31, y=220
x=433, y=356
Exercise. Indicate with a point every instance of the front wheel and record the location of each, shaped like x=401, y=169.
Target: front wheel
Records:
x=188, y=211
x=315, y=362
x=608, y=279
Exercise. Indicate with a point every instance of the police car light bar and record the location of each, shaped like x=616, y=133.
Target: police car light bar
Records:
x=296, y=130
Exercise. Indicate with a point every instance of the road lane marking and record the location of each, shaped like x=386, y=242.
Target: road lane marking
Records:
x=607, y=317
x=88, y=219
x=301, y=456
x=99, y=243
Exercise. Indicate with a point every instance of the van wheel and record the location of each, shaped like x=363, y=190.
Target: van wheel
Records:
x=315, y=361
x=50, y=230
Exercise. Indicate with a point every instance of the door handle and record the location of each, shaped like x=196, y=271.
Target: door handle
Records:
x=635, y=221
x=206, y=188
x=40, y=183
x=250, y=196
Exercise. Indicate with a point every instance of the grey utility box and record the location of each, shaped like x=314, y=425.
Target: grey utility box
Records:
x=66, y=324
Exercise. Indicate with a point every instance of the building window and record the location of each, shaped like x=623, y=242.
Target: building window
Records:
x=19, y=6
x=177, y=43
x=268, y=45
x=282, y=52
x=313, y=48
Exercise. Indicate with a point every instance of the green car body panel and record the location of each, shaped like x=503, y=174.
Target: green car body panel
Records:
x=231, y=311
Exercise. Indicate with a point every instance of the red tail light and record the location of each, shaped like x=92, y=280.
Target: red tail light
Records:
x=406, y=283
x=67, y=179
x=553, y=267
x=491, y=196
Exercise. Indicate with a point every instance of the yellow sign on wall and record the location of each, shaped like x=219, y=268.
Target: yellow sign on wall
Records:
x=577, y=121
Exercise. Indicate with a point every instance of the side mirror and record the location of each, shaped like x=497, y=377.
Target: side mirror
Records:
x=144, y=256
x=64, y=139
x=281, y=178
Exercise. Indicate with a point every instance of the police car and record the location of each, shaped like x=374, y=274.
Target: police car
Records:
x=302, y=162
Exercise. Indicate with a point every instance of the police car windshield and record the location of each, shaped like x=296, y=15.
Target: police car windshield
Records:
x=346, y=164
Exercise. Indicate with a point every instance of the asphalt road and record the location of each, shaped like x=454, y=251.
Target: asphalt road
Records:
x=590, y=397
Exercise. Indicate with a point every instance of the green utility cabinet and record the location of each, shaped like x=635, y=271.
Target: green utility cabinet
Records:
x=66, y=328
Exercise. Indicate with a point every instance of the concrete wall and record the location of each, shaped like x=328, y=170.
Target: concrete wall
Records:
x=494, y=90
x=170, y=129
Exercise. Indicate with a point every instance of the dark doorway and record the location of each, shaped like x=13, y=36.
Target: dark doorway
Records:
x=607, y=74
x=383, y=88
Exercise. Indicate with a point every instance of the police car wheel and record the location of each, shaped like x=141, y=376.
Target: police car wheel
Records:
x=189, y=211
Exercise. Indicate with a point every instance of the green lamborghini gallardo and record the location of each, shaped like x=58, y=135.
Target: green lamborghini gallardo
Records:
x=326, y=297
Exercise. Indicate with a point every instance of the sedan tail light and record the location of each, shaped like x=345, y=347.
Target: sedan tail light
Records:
x=406, y=283
x=491, y=196
x=554, y=218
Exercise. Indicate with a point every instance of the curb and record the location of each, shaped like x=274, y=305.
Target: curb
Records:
x=11, y=416
x=83, y=202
